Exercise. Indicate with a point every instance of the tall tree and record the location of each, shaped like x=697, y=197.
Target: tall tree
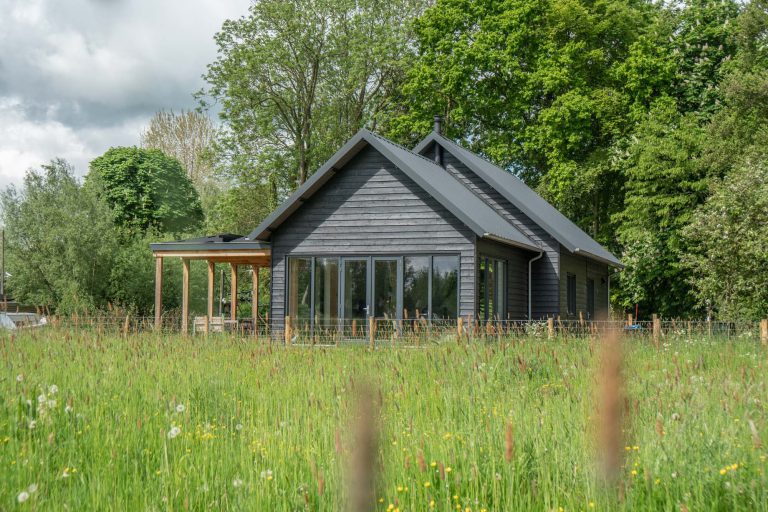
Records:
x=295, y=77
x=188, y=137
x=146, y=189
x=60, y=240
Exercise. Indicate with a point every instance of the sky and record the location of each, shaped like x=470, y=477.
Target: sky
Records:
x=80, y=76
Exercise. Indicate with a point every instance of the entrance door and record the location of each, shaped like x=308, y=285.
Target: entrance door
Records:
x=355, y=286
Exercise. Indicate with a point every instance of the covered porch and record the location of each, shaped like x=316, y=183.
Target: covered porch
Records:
x=232, y=250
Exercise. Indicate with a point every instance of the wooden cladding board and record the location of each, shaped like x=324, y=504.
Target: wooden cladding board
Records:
x=545, y=271
x=370, y=207
x=583, y=269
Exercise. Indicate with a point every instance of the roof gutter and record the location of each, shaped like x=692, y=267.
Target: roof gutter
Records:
x=587, y=254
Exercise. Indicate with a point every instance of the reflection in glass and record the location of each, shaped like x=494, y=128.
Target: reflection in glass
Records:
x=445, y=279
x=385, y=288
x=326, y=292
x=355, y=288
x=299, y=275
x=416, y=287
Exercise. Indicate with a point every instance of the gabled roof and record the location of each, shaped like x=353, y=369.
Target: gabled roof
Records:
x=568, y=234
x=483, y=220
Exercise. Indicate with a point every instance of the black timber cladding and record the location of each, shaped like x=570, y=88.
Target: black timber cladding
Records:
x=371, y=207
x=545, y=271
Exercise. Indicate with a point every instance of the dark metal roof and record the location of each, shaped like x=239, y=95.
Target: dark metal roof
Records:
x=568, y=234
x=483, y=220
x=220, y=242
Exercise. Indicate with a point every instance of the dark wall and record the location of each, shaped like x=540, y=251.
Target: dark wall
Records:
x=371, y=207
x=583, y=269
x=545, y=271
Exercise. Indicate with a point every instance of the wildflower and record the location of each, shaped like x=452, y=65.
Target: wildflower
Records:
x=448, y=469
x=634, y=472
x=41, y=398
x=723, y=471
x=433, y=464
x=32, y=488
x=65, y=473
x=427, y=484
x=175, y=431
x=432, y=504
x=19, y=378
x=51, y=403
x=53, y=389
x=239, y=427
x=32, y=424
x=591, y=504
x=237, y=482
x=68, y=409
x=266, y=474
x=180, y=408
x=734, y=467
x=22, y=497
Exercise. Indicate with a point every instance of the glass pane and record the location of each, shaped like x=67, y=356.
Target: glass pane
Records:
x=481, y=290
x=355, y=296
x=499, y=312
x=415, y=287
x=326, y=292
x=299, y=276
x=490, y=270
x=445, y=285
x=385, y=288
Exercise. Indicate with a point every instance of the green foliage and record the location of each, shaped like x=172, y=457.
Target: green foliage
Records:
x=60, y=241
x=146, y=189
x=294, y=79
x=728, y=237
x=665, y=182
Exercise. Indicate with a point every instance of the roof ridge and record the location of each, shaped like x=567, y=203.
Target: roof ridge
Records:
x=398, y=145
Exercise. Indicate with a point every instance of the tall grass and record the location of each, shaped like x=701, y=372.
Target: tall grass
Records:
x=152, y=422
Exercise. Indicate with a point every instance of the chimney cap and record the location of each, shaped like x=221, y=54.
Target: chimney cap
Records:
x=438, y=125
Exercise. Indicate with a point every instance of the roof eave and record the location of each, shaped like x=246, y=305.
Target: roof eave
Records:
x=611, y=262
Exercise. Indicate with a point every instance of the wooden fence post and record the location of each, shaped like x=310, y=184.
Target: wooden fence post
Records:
x=288, y=330
x=459, y=329
x=764, y=331
x=656, y=330
x=551, y=327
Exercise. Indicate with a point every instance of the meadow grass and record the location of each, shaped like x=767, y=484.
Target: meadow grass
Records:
x=154, y=422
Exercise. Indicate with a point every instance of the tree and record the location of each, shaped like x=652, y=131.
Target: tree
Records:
x=60, y=241
x=188, y=137
x=146, y=189
x=534, y=86
x=294, y=78
x=729, y=240
x=665, y=183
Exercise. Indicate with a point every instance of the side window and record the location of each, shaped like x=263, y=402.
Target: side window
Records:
x=590, y=298
x=571, y=293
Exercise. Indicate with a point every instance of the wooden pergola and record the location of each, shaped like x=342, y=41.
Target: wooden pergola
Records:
x=225, y=248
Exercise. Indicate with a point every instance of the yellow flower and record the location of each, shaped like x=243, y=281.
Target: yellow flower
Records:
x=723, y=471
x=734, y=467
x=433, y=463
x=390, y=507
x=381, y=500
x=427, y=484
x=591, y=504
x=447, y=436
x=634, y=472
x=432, y=504
x=448, y=469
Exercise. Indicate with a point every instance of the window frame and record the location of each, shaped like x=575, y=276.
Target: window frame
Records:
x=570, y=293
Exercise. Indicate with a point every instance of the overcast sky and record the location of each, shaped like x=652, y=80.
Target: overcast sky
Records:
x=80, y=76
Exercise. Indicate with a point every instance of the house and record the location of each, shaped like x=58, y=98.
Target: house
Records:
x=433, y=233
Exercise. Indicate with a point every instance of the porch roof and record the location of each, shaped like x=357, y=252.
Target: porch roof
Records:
x=220, y=248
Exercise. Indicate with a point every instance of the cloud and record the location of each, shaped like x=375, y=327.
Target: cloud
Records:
x=79, y=76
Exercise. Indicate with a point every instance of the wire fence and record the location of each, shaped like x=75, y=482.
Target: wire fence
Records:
x=408, y=332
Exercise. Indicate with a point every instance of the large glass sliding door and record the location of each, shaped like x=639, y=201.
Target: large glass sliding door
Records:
x=385, y=286
x=355, y=289
x=326, y=294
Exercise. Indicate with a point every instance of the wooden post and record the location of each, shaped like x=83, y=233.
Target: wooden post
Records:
x=372, y=331
x=185, y=297
x=288, y=330
x=158, y=293
x=255, y=299
x=629, y=319
x=656, y=330
x=233, y=293
x=459, y=329
x=551, y=327
x=211, y=277
x=764, y=332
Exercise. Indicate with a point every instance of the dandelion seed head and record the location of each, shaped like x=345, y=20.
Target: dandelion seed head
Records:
x=180, y=408
x=175, y=431
x=22, y=497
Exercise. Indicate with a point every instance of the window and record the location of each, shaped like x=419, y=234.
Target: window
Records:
x=326, y=305
x=492, y=289
x=416, y=286
x=445, y=285
x=571, y=293
x=299, y=292
x=590, y=298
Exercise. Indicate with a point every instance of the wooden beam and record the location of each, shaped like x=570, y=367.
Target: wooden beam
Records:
x=255, y=299
x=185, y=297
x=233, y=293
x=211, y=275
x=158, y=293
x=204, y=255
